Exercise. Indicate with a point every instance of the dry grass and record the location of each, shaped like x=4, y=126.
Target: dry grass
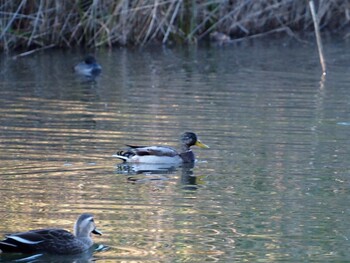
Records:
x=94, y=23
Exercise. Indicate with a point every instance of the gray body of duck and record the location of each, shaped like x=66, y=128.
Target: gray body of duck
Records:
x=53, y=240
x=88, y=67
x=162, y=154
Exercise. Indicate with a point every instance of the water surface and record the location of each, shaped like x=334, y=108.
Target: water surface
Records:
x=273, y=186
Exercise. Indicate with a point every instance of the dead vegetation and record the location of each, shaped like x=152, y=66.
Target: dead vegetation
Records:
x=94, y=23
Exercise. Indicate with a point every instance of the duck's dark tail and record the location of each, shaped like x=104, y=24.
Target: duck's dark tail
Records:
x=7, y=248
x=21, y=245
x=123, y=155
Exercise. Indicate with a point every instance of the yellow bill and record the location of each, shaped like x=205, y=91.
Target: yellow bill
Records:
x=201, y=145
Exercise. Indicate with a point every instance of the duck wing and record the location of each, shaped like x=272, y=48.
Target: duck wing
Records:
x=52, y=240
x=153, y=150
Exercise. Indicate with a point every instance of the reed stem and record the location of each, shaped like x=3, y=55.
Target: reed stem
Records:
x=30, y=24
x=318, y=36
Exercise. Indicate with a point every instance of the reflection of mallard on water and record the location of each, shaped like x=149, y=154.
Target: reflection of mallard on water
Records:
x=53, y=240
x=145, y=168
x=162, y=154
x=145, y=173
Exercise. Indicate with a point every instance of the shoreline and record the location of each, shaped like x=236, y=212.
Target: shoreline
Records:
x=28, y=25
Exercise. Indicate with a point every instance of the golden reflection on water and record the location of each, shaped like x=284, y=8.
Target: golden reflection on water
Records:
x=138, y=222
x=273, y=179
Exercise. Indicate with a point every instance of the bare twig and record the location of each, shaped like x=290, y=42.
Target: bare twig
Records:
x=33, y=51
x=175, y=14
x=318, y=37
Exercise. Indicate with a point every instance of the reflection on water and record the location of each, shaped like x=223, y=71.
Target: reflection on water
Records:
x=272, y=187
x=145, y=168
x=87, y=256
x=153, y=172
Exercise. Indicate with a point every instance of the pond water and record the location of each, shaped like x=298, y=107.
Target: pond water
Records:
x=273, y=187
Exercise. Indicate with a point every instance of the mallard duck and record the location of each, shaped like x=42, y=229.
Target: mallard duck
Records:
x=88, y=67
x=162, y=154
x=53, y=240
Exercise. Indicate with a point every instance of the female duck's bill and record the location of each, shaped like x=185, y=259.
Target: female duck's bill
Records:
x=53, y=240
x=88, y=67
x=162, y=154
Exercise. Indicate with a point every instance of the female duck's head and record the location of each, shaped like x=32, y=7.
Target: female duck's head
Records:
x=85, y=225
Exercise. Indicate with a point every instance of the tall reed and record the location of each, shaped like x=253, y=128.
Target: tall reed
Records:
x=94, y=23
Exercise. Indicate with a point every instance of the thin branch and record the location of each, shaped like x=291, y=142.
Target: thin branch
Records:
x=318, y=36
x=33, y=51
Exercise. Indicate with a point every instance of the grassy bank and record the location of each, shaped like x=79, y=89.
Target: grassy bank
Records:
x=94, y=23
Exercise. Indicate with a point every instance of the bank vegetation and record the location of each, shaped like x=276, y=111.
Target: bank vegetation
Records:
x=96, y=23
